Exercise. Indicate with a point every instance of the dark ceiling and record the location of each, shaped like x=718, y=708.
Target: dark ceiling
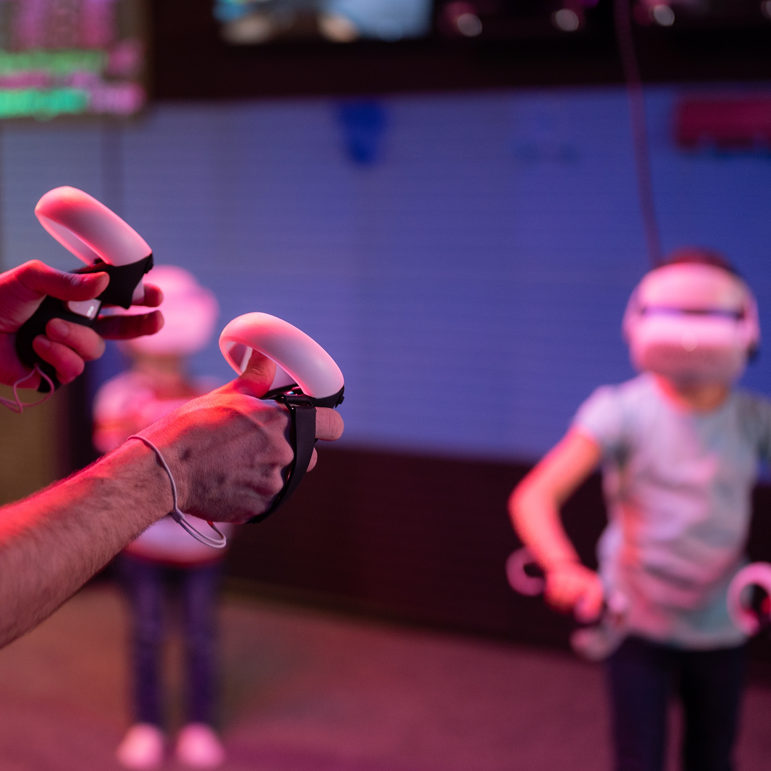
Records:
x=190, y=61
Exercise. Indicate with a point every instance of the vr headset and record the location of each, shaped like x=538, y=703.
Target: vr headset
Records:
x=693, y=323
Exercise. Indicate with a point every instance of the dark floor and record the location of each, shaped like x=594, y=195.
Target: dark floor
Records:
x=311, y=691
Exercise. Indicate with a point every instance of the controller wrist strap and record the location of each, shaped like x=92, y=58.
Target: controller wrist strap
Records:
x=302, y=434
x=16, y=404
x=179, y=516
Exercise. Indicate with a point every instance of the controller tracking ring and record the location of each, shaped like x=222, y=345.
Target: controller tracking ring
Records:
x=594, y=641
x=743, y=616
x=518, y=577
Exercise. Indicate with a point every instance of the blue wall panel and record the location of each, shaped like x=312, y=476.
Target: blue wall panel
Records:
x=470, y=280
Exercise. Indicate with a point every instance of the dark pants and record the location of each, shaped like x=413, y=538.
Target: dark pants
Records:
x=643, y=677
x=147, y=584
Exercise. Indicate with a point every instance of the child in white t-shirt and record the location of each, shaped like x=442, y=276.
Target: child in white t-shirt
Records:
x=165, y=558
x=679, y=446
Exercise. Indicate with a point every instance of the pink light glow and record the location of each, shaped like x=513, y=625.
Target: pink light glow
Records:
x=84, y=79
x=26, y=80
x=126, y=58
x=98, y=19
x=117, y=99
x=30, y=26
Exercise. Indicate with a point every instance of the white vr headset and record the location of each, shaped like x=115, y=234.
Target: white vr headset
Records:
x=693, y=323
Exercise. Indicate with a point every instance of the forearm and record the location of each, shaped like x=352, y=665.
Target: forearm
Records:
x=228, y=452
x=54, y=541
x=537, y=521
x=535, y=504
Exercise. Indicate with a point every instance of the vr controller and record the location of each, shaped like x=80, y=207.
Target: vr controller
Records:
x=102, y=240
x=749, y=598
x=594, y=641
x=306, y=377
x=749, y=604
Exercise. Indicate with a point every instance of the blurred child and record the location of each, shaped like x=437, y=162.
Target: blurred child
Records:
x=680, y=447
x=166, y=559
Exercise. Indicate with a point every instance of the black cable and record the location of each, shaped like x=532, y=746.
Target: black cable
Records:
x=634, y=90
x=112, y=157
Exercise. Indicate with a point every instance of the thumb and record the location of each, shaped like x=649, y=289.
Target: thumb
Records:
x=258, y=376
x=589, y=606
x=39, y=279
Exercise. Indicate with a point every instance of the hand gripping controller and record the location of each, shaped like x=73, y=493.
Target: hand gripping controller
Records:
x=306, y=377
x=751, y=614
x=106, y=244
x=594, y=641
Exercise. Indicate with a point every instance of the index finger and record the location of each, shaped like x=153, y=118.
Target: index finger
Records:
x=329, y=424
x=35, y=279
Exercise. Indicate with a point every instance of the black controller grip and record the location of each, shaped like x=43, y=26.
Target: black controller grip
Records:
x=123, y=281
x=302, y=435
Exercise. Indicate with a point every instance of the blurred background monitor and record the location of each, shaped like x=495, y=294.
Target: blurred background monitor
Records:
x=339, y=21
x=71, y=57
x=249, y=22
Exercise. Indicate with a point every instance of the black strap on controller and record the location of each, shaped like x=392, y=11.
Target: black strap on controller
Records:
x=302, y=434
x=123, y=281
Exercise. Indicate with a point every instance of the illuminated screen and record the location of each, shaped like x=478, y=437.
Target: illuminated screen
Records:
x=71, y=57
x=244, y=22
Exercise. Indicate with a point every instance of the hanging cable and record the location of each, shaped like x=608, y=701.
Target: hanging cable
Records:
x=634, y=90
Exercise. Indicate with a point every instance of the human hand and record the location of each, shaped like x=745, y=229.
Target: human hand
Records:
x=66, y=345
x=229, y=451
x=572, y=587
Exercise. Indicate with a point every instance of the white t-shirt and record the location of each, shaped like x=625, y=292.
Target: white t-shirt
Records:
x=678, y=485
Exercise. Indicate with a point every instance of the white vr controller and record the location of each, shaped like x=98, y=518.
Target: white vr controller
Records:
x=306, y=377
x=88, y=229
x=301, y=363
x=594, y=641
x=749, y=619
x=102, y=240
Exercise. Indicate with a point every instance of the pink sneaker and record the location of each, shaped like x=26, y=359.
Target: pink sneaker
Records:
x=142, y=747
x=199, y=746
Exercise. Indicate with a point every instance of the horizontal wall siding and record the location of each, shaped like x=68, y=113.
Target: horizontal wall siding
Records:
x=422, y=540
x=470, y=279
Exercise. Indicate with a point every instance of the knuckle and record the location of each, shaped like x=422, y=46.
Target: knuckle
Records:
x=286, y=455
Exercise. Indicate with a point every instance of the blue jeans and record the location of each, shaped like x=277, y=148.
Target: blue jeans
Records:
x=642, y=678
x=147, y=584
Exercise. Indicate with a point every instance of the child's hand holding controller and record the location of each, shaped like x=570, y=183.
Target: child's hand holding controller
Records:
x=570, y=586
